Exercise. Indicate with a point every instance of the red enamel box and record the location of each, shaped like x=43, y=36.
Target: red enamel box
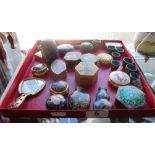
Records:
x=35, y=106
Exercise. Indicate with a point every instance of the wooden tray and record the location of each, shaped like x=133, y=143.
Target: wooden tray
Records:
x=36, y=106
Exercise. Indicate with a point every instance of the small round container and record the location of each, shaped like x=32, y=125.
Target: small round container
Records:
x=130, y=68
x=126, y=61
x=59, y=87
x=134, y=76
x=120, y=50
x=115, y=65
x=119, y=78
x=111, y=49
x=116, y=55
x=39, y=70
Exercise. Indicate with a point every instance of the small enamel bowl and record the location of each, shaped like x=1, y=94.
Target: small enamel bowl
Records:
x=111, y=49
x=130, y=68
x=116, y=55
x=120, y=50
x=126, y=61
x=115, y=64
x=134, y=76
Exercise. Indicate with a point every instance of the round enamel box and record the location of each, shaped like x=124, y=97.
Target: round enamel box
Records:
x=119, y=78
x=59, y=87
x=40, y=70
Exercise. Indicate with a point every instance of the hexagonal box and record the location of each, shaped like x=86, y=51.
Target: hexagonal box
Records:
x=86, y=73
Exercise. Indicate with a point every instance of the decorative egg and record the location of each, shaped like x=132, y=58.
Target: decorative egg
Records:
x=49, y=50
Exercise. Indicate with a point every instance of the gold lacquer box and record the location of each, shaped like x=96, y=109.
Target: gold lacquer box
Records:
x=86, y=73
